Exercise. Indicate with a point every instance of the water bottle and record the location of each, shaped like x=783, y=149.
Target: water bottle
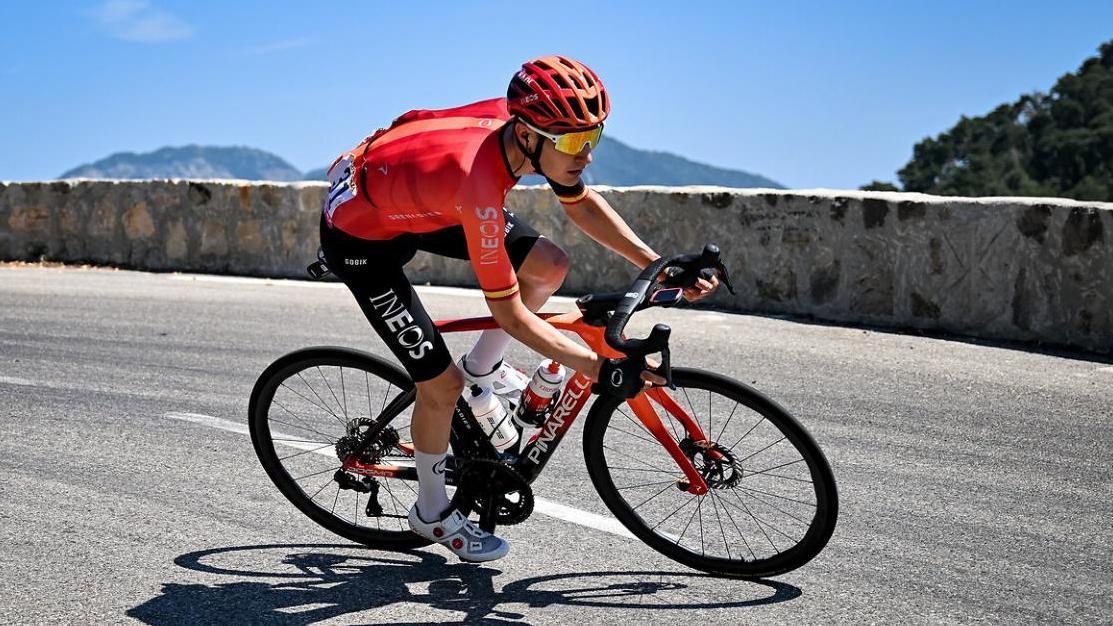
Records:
x=539, y=394
x=492, y=417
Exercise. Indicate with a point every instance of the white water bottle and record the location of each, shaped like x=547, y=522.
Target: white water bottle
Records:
x=492, y=417
x=539, y=394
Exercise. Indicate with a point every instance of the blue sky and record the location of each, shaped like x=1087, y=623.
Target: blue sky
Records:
x=819, y=94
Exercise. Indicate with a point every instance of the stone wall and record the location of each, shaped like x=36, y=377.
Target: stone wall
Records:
x=1029, y=269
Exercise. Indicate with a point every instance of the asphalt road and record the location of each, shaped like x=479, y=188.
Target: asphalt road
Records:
x=976, y=482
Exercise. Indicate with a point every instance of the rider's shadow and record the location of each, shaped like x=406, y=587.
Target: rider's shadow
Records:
x=319, y=582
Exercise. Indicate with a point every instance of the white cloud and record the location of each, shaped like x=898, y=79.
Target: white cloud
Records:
x=279, y=46
x=137, y=20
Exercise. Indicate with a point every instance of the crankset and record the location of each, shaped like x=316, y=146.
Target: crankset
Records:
x=496, y=491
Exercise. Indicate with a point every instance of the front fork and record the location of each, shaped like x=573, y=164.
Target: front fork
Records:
x=652, y=421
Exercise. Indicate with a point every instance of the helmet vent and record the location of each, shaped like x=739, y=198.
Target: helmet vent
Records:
x=592, y=105
x=576, y=108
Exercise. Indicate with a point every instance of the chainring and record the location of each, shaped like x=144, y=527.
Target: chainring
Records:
x=481, y=478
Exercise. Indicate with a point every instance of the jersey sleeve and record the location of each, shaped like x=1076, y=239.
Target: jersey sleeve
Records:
x=485, y=231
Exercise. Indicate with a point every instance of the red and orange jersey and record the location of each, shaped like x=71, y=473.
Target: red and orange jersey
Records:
x=432, y=169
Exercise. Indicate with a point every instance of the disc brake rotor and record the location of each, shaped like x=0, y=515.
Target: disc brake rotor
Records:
x=717, y=465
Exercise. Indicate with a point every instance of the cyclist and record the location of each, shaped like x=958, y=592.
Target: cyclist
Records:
x=436, y=180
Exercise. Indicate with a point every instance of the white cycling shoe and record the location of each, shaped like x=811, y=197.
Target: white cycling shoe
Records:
x=506, y=381
x=461, y=536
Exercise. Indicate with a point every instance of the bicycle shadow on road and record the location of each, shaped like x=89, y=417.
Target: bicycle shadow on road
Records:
x=314, y=582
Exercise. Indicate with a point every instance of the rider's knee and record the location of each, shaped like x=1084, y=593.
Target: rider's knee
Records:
x=550, y=265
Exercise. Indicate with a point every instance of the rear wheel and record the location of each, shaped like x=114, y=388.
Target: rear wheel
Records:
x=772, y=504
x=307, y=411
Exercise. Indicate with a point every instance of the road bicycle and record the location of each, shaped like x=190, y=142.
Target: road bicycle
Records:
x=705, y=470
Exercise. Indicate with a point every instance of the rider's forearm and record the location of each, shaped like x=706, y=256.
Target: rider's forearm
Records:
x=595, y=217
x=538, y=335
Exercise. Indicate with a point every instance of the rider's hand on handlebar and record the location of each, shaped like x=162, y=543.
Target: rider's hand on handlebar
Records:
x=701, y=289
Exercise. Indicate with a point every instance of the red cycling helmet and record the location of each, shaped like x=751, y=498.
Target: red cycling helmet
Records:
x=558, y=94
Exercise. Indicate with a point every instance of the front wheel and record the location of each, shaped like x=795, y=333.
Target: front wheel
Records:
x=772, y=503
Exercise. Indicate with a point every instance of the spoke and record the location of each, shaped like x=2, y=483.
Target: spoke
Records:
x=653, y=441
x=639, y=424
x=640, y=469
x=724, y=428
x=324, y=405
x=692, y=408
x=331, y=469
x=763, y=474
x=759, y=524
x=394, y=502
x=652, y=497
x=657, y=482
x=741, y=535
x=334, y=398
x=761, y=450
x=386, y=394
x=410, y=487
x=344, y=397
x=689, y=522
x=335, y=498
x=670, y=419
x=319, y=406
x=766, y=493
x=702, y=546
x=675, y=511
x=304, y=425
x=747, y=433
x=710, y=417
x=283, y=458
x=770, y=504
x=636, y=460
x=722, y=531
x=326, y=444
x=316, y=493
x=777, y=467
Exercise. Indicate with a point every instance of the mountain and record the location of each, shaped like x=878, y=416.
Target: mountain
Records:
x=615, y=163
x=190, y=162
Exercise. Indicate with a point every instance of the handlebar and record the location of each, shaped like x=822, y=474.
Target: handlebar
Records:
x=687, y=268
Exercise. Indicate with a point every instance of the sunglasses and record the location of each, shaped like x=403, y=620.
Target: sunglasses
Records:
x=572, y=143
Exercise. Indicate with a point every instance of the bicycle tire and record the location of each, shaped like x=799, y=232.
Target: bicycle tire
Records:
x=822, y=522
x=260, y=407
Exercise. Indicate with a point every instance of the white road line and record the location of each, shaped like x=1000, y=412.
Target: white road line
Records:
x=541, y=505
x=1106, y=369
x=12, y=380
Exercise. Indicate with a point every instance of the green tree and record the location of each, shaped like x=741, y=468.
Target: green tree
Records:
x=1060, y=144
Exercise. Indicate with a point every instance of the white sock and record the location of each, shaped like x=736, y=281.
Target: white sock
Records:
x=432, y=499
x=487, y=352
